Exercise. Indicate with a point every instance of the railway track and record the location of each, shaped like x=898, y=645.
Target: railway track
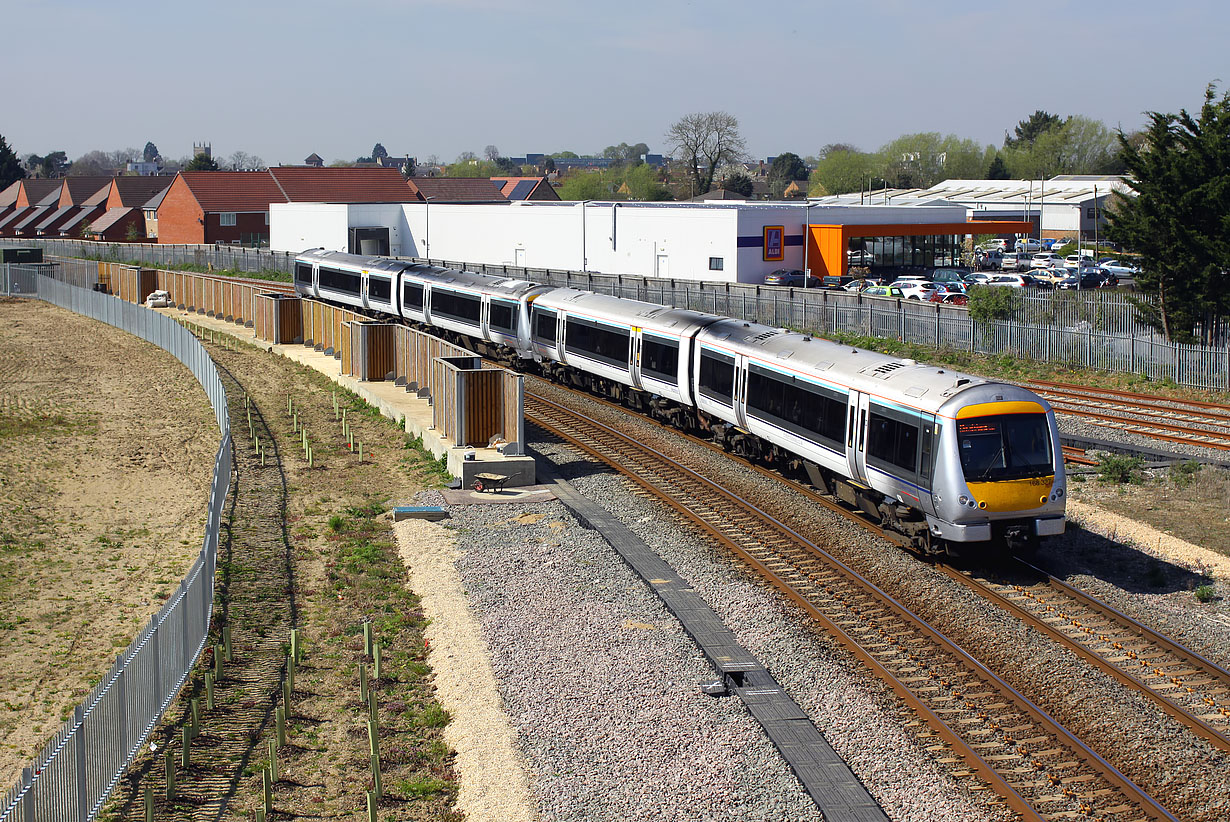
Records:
x=1184, y=422
x=1041, y=770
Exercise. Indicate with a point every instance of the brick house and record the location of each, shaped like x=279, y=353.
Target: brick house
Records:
x=205, y=207
x=233, y=206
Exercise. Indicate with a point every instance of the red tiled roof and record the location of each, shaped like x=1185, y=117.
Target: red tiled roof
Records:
x=457, y=189
x=342, y=185
x=221, y=191
x=137, y=191
x=79, y=188
x=508, y=185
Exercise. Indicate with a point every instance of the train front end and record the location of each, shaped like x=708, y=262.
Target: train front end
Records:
x=1003, y=459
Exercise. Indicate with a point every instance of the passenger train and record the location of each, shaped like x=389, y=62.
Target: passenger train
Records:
x=940, y=457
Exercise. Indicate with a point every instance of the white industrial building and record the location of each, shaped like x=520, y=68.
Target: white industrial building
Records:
x=1068, y=205
x=725, y=242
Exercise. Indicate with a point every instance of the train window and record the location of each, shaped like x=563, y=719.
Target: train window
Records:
x=660, y=358
x=303, y=273
x=596, y=341
x=800, y=407
x=380, y=288
x=462, y=307
x=891, y=441
x=412, y=296
x=544, y=326
x=717, y=376
x=340, y=280
x=926, y=456
x=1007, y=446
x=503, y=316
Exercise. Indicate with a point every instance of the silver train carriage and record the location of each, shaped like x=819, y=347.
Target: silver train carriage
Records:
x=490, y=309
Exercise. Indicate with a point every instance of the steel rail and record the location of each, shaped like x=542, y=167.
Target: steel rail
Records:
x=1044, y=721
x=1080, y=412
x=1202, y=729
x=1085, y=390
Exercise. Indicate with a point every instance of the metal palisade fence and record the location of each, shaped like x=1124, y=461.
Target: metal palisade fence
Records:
x=1097, y=329
x=77, y=769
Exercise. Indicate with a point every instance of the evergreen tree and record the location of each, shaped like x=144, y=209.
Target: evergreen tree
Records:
x=998, y=169
x=1027, y=131
x=786, y=168
x=10, y=167
x=739, y=183
x=1180, y=220
x=378, y=152
x=201, y=162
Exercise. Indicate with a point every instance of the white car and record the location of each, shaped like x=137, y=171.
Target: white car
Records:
x=1120, y=270
x=158, y=299
x=1045, y=259
x=918, y=289
x=1009, y=280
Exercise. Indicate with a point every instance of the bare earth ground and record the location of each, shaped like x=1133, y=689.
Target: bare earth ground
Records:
x=106, y=451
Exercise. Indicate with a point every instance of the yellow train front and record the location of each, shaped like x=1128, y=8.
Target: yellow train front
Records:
x=1001, y=473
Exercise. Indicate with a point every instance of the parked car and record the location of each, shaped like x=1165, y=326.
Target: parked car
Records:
x=949, y=275
x=954, y=298
x=1009, y=280
x=883, y=291
x=1053, y=275
x=995, y=245
x=1085, y=255
x=1120, y=269
x=1089, y=279
x=977, y=278
x=1027, y=244
x=918, y=289
x=791, y=277
x=1045, y=259
x=861, y=284
x=1016, y=261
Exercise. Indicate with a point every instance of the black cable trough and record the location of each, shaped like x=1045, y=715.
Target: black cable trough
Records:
x=1160, y=456
x=825, y=776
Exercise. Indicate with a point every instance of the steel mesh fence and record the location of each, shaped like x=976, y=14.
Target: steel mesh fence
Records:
x=76, y=770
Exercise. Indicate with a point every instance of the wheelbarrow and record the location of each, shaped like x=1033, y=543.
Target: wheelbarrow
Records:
x=489, y=482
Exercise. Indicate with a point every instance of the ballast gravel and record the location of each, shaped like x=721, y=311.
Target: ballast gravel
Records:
x=599, y=682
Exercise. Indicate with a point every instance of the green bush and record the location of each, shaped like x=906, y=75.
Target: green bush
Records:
x=991, y=302
x=1118, y=469
x=1204, y=593
x=1183, y=474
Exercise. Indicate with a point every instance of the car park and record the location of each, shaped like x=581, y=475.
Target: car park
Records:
x=791, y=277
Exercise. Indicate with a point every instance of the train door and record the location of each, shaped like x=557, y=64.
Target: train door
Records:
x=740, y=393
x=634, y=357
x=856, y=436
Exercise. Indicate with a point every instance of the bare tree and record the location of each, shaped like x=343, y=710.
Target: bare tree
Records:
x=492, y=153
x=705, y=141
x=243, y=161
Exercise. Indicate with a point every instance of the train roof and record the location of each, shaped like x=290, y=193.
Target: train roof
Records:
x=925, y=387
x=339, y=258
x=651, y=316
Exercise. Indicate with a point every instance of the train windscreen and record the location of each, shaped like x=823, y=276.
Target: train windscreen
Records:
x=1005, y=447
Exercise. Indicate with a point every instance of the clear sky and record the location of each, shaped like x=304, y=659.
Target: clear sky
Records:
x=284, y=79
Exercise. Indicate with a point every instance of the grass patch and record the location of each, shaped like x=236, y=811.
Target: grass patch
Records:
x=1204, y=593
x=1117, y=469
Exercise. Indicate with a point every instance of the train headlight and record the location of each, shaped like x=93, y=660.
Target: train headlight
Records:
x=1059, y=493
x=982, y=503
x=964, y=500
